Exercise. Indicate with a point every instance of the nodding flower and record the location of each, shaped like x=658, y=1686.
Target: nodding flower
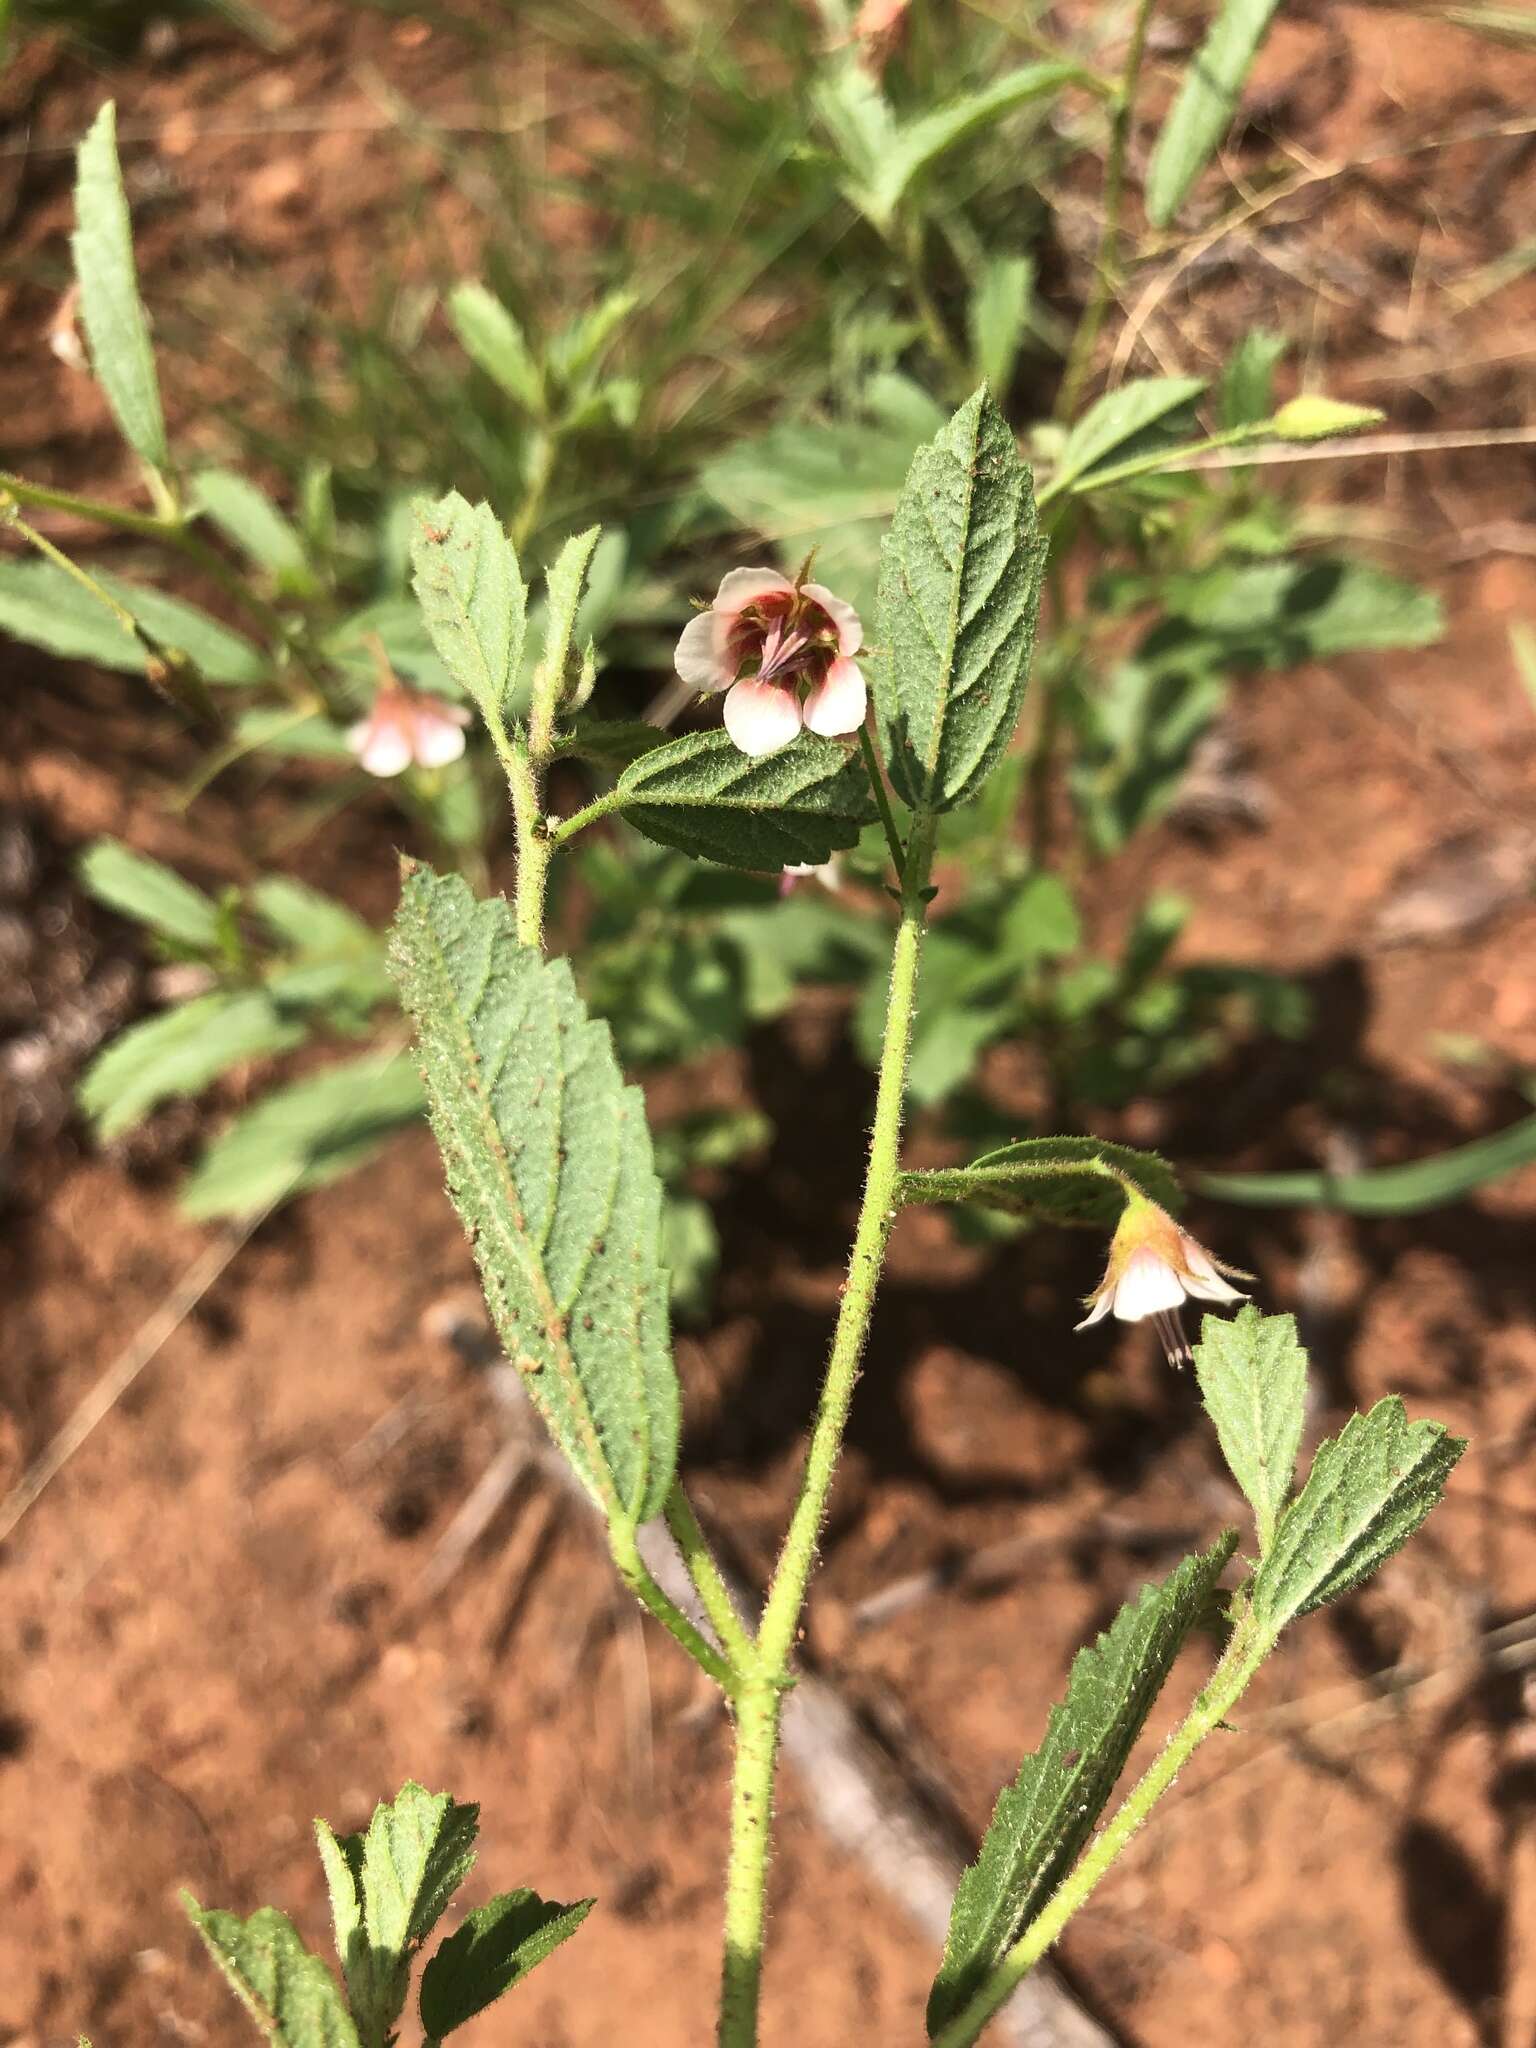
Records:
x=407, y=729
x=828, y=872
x=1154, y=1267
x=782, y=650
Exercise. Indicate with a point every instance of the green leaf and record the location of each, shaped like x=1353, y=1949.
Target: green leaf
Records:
x=792, y=808
x=180, y=1052
x=960, y=578
x=333, y=955
x=1121, y=418
x=1041, y=922
x=42, y=605
x=1047, y=1814
x=1248, y=385
x=829, y=484
x=549, y=1164
x=289, y=1993
x=472, y=598
x=493, y=340
x=1203, y=111
x=304, y=1135
x=495, y=1948
x=565, y=581
x=997, y=317
x=150, y=893
x=917, y=146
x=1369, y=1488
x=110, y=306
x=612, y=742
x=578, y=346
x=1059, y=1180
x=1253, y=1381
x=307, y=920
x=244, y=513
x=1386, y=1190
x=389, y=1888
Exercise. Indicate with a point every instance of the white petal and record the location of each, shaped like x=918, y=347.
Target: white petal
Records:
x=742, y=587
x=1146, y=1287
x=381, y=746
x=1203, y=1281
x=760, y=717
x=837, y=703
x=1096, y=1314
x=437, y=739
x=850, y=634
x=701, y=659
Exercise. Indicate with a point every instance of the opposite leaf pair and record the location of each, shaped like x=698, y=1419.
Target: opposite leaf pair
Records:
x=389, y=1888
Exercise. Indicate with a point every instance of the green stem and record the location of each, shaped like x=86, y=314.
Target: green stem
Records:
x=760, y=1702
x=1150, y=465
x=714, y=1595
x=541, y=474
x=1107, y=263
x=883, y=802
x=561, y=829
x=633, y=1571
x=1244, y=1654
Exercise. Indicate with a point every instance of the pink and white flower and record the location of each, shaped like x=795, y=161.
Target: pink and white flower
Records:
x=828, y=872
x=1154, y=1267
x=767, y=639
x=407, y=729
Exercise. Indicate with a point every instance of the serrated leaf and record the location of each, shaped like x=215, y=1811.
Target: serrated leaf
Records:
x=42, y=605
x=493, y=340
x=1058, y=1180
x=244, y=513
x=150, y=893
x=1045, y=1816
x=495, y=1948
x=472, y=597
x=1113, y=423
x=1253, y=1381
x=549, y=1164
x=702, y=794
x=416, y=1852
x=341, y=1857
x=915, y=147
x=304, y=1135
x=1203, y=111
x=614, y=742
x=110, y=307
x=960, y=577
x=1369, y=1488
x=289, y=1993
x=178, y=1053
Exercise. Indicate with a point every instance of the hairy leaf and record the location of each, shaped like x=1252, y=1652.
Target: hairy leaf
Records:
x=959, y=592
x=493, y=340
x=1368, y=1490
x=549, y=1164
x=180, y=1052
x=110, y=305
x=289, y=1993
x=389, y=1888
x=304, y=1135
x=701, y=793
x=472, y=597
x=1116, y=424
x=565, y=580
x=1386, y=1190
x=150, y=893
x=1253, y=1380
x=495, y=1948
x=1046, y=1815
x=44, y=605
x=1203, y=110
x=1059, y=1180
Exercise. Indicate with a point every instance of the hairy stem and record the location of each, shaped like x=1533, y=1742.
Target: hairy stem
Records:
x=1244, y=1654
x=1107, y=263
x=635, y=1574
x=760, y=1702
x=708, y=1582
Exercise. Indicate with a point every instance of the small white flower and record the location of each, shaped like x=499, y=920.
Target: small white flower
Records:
x=828, y=872
x=407, y=728
x=1154, y=1267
